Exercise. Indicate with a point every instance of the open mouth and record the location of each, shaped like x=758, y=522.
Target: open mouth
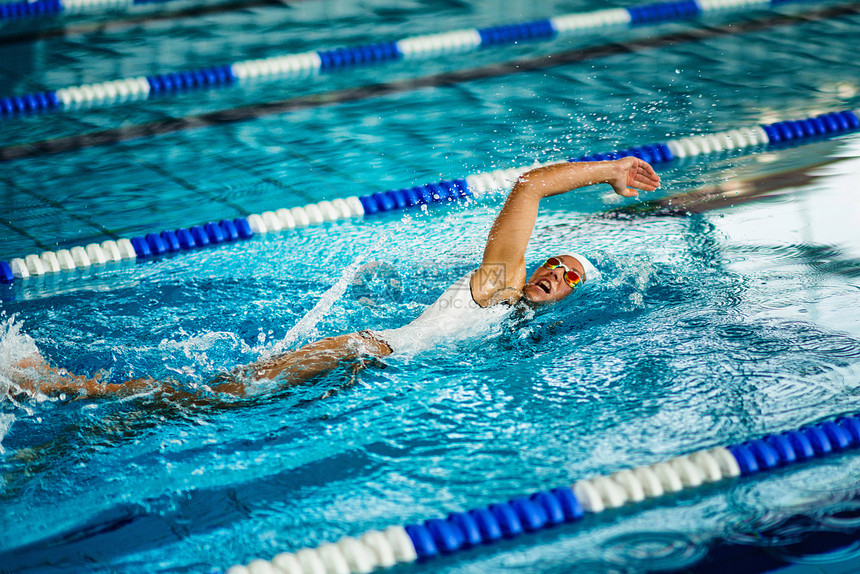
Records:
x=545, y=285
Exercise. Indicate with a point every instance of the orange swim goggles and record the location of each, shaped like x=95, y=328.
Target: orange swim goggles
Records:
x=571, y=277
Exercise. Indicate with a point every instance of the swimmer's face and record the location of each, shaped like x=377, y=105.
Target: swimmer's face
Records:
x=548, y=285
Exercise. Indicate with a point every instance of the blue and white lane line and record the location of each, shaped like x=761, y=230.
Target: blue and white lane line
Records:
x=765, y=136
x=461, y=531
x=30, y=9
x=327, y=61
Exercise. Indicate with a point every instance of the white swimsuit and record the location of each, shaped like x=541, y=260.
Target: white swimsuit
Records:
x=453, y=317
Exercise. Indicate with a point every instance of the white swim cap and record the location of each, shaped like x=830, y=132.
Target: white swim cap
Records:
x=591, y=272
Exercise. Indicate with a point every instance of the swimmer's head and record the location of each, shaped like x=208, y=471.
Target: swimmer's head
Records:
x=559, y=277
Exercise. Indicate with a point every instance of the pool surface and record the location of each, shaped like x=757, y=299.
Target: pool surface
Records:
x=728, y=307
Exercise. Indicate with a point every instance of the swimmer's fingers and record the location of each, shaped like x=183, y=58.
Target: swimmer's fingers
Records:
x=642, y=176
x=632, y=174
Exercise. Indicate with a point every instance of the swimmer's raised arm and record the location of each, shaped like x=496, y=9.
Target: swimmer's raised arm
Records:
x=503, y=266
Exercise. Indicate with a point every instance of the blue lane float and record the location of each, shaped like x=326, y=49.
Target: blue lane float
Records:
x=6, y=275
x=197, y=236
x=26, y=10
x=306, y=64
x=22, y=9
x=191, y=79
x=797, y=446
x=766, y=136
x=664, y=12
x=461, y=531
x=506, y=520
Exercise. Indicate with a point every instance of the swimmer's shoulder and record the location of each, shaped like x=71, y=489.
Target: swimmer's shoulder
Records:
x=490, y=286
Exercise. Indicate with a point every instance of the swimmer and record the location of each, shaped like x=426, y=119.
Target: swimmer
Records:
x=488, y=292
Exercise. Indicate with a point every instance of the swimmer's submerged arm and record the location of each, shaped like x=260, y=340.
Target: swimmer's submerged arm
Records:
x=503, y=265
x=295, y=367
x=34, y=375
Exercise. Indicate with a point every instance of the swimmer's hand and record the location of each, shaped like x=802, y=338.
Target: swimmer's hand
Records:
x=628, y=174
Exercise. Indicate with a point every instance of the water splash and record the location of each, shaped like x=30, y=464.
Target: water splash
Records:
x=306, y=327
x=204, y=351
x=6, y=421
x=15, y=346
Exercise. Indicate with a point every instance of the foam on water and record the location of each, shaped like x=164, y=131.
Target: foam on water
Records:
x=15, y=346
x=194, y=352
x=6, y=421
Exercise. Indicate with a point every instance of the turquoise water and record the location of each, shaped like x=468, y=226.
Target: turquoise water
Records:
x=715, y=323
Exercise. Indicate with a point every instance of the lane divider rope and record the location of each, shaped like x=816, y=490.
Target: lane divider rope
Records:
x=461, y=531
x=306, y=64
x=31, y=9
x=765, y=136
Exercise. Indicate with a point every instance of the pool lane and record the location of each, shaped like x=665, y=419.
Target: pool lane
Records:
x=241, y=114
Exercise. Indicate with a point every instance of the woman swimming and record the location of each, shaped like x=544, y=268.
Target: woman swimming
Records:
x=484, y=295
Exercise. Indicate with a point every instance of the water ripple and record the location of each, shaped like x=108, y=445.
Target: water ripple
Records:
x=654, y=550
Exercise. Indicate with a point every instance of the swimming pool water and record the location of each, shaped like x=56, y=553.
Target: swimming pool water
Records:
x=713, y=325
